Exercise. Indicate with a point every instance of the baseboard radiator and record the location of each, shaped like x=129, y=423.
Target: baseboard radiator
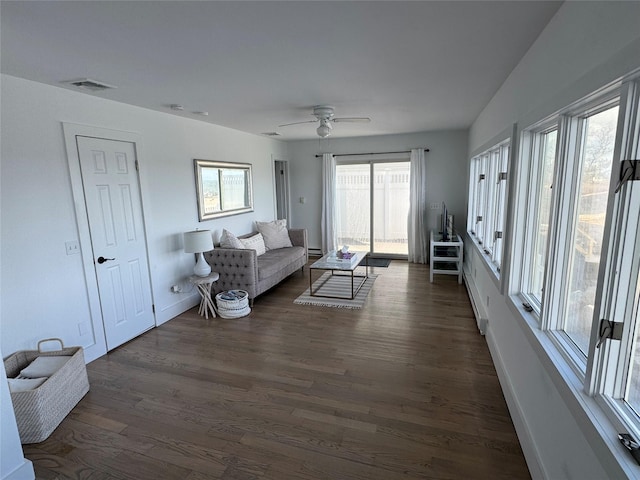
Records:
x=479, y=311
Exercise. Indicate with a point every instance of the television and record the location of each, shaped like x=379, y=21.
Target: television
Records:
x=446, y=226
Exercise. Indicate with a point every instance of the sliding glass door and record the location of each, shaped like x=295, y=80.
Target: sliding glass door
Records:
x=372, y=206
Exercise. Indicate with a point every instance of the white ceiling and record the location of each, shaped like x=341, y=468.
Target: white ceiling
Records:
x=410, y=66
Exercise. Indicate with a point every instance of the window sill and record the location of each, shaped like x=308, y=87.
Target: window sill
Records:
x=486, y=259
x=597, y=427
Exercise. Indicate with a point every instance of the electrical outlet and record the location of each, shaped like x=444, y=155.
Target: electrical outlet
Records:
x=72, y=247
x=176, y=289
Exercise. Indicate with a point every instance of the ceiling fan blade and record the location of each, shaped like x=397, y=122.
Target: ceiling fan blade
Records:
x=352, y=119
x=298, y=123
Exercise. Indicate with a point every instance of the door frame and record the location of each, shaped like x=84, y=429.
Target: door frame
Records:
x=71, y=131
x=287, y=190
x=371, y=160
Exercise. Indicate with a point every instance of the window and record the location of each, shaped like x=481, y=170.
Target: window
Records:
x=546, y=159
x=595, y=157
x=487, y=201
x=473, y=185
x=500, y=203
x=490, y=198
x=617, y=363
x=481, y=197
x=578, y=222
x=539, y=155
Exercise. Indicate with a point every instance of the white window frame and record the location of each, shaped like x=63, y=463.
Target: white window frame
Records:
x=481, y=198
x=488, y=193
x=473, y=185
x=500, y=203
x=603, y=371
x=489, y=210
x=609, y=366
x=568, y=173
x=529, y=183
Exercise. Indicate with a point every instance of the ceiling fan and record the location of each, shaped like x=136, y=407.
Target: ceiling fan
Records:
x=325, y=115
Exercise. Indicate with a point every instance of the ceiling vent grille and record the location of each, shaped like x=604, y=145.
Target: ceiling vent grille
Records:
x=88, y=84
x=271, y=134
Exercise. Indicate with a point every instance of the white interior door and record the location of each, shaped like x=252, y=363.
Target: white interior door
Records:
x=114, y=211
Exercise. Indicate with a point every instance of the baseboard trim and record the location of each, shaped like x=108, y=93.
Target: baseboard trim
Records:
x=175, y=309
x=23, y=472
x=482, y=319
x=531, y=454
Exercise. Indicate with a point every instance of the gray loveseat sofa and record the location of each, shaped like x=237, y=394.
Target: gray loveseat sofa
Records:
x=245, y=270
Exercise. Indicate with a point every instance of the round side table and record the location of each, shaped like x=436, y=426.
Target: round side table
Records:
x=203, y=284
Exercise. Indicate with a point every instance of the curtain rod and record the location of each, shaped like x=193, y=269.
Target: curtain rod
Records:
x=374, y=153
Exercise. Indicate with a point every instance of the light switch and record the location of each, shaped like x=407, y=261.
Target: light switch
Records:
x=303, y=200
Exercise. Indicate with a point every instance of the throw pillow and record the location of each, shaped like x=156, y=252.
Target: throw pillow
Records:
x=44, y=366
x=229, y=240
x=254, y=243
x=275, y=234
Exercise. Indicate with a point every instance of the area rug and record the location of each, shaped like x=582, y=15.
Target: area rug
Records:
x=376, y=262
x=336, y=285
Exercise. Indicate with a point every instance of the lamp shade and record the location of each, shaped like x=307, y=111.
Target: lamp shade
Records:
x=198, y=241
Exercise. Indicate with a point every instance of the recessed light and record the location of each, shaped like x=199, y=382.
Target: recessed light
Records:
x=204, y=114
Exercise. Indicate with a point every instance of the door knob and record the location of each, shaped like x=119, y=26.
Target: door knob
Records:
x=101, y=260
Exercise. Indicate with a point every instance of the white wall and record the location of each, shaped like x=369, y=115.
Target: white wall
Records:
x=446, y=171
x=13, y=465
x=43, y=289
x=586, y=45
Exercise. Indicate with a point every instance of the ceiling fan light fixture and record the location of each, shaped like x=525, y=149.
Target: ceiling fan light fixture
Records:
x=324, y=130
x=325, y=115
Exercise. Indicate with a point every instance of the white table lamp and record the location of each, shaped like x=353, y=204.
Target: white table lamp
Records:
x=199, y=241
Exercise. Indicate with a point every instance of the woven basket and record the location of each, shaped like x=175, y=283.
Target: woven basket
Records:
x=236, y=308
x=40, y=411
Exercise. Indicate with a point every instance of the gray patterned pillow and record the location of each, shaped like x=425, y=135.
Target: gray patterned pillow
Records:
x=229, y=240
x=254, y=243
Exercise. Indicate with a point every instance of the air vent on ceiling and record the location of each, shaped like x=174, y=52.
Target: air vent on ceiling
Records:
x=88, y=84
x=271, y=134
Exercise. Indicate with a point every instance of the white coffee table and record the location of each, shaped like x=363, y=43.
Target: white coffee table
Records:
x=330, y=262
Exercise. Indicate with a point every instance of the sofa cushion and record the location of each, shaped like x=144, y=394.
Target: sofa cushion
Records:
x=276, y=234
x=276, y=260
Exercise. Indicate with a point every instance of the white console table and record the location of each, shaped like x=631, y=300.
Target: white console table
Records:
x=445, y=258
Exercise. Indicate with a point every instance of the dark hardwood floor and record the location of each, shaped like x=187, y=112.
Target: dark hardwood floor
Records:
x=402, y=389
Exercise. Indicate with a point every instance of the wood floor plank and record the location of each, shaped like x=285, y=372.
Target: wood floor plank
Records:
x=403, y=388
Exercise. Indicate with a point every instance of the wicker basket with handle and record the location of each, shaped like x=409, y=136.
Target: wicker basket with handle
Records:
x=40, y=411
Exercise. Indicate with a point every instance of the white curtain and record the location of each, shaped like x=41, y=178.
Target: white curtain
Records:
x=417, y=225
x=328, y=203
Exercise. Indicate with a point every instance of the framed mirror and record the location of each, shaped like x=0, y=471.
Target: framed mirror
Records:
x=223, y=188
